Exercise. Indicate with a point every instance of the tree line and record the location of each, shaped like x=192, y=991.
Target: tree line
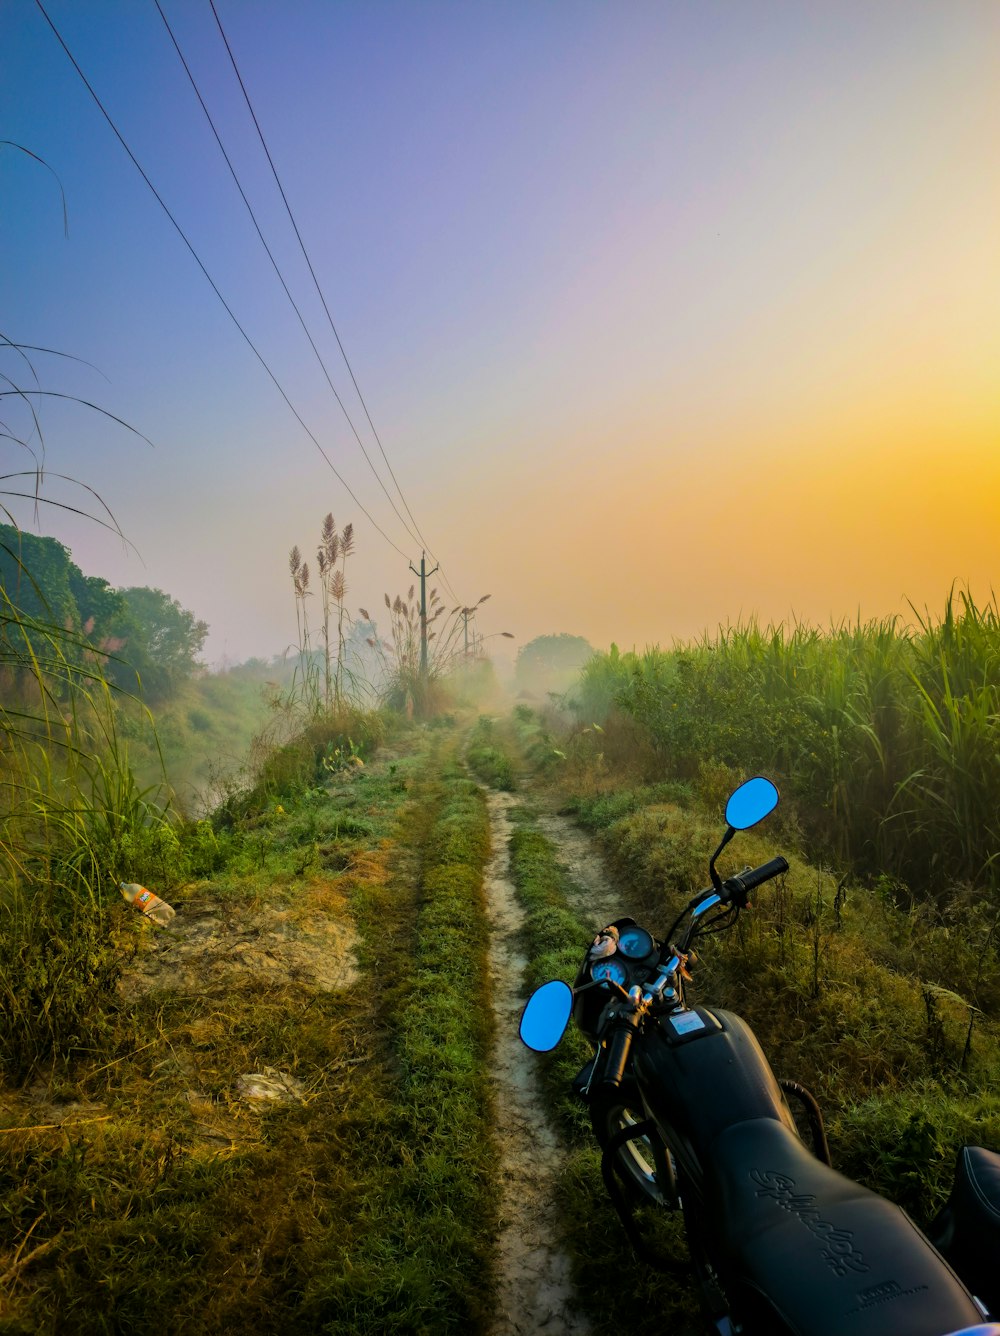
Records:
x=141, y=639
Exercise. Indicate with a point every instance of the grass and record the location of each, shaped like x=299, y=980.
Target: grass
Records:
x=74, y=821
x=424, y=1263
x=885, y=735
x=487, y=756
x=232, y=1229
x=140, y=1191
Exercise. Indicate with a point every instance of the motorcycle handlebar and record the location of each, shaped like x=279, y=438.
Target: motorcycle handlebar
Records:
x=738, y=888
x=618, y=1050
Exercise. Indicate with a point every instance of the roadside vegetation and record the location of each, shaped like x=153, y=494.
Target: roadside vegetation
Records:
x=880, y=994
x=275, y=1114
x=487, y=756
x=884, y=735
x=357, y=1193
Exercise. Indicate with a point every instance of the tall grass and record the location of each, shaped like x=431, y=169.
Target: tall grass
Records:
x=72, y=819
x=889, y=735
x=411, y=685
x=73, y=822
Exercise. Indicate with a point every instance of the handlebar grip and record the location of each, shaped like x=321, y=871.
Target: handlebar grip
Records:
x=740, y=887
x=618, y=1051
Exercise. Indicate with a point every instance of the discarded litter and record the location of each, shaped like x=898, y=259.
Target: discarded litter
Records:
x=148, y=904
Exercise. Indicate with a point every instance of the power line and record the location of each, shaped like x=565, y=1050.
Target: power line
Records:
x=181, y=233
x=319, y=290
x=274, y=263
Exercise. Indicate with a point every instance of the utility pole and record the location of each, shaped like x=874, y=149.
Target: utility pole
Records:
x=465, y=614
x=423, y=573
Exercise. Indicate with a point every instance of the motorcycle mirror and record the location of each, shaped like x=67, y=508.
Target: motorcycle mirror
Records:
x=751, y=803
x=546, y=1015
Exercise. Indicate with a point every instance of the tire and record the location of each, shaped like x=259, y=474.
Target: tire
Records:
x=645, y=1166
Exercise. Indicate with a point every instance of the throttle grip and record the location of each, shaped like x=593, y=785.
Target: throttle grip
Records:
x=764, y=873
x=618, y=1051
x=740, y=887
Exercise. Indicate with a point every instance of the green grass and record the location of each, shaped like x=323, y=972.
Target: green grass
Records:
x=368, y=1207
x=488, y=757
x=886, y=736
x=150, y=1228
x=423, y=1259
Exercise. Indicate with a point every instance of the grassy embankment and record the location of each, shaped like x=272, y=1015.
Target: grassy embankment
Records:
x=885, y=735
x=141, y=1189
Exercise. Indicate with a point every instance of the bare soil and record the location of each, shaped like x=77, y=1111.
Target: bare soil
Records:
x=212, y=946
x=536, y=1293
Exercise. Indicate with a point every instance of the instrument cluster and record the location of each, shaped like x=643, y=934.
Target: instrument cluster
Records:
x=622, y=953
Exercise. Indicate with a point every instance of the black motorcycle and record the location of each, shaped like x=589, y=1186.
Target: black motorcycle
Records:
x=691, y=1118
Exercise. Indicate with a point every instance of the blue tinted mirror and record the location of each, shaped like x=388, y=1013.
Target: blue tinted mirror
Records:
x=751, y=803
x=546, y=1015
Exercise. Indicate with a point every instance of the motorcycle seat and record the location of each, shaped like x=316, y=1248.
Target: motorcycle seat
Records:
x=812, y=1253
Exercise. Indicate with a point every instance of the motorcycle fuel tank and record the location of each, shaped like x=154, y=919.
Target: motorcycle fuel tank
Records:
x=700, y=1071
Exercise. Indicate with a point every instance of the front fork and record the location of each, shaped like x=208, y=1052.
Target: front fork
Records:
x=676, y=1192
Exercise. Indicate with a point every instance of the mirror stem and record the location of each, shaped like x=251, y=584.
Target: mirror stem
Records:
x=716, y=879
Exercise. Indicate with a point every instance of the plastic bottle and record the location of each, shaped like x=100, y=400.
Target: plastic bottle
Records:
x=146, y=902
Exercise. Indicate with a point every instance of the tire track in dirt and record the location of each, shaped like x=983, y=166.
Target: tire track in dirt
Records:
x=592, y=890
x=535, y=1289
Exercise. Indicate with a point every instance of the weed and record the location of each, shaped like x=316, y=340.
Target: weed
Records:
x=488, y=758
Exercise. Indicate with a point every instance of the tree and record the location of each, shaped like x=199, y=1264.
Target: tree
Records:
x=53, y=618
x=128, y=634
x=551, y=663
x=35, y=575
x=160, y=642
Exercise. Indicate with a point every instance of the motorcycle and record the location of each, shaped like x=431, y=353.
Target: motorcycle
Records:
x=691, y=1118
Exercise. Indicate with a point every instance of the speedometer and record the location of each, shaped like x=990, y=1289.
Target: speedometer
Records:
x=635, y=942
x=613, y=970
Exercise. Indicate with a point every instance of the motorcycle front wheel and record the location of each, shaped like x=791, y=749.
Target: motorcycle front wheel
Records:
x=645, y=1165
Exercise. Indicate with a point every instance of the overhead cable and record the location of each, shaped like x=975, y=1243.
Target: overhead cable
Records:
x=281, y=279
x=319, y=290
x=197, y=258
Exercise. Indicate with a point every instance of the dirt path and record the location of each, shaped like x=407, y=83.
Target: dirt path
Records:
x=535, y=1289
x=593, y=892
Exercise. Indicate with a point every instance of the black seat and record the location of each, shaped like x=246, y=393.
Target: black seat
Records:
x=812, y=1253
x=968, y=1229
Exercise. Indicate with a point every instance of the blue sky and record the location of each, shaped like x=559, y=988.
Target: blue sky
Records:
x=618, y=281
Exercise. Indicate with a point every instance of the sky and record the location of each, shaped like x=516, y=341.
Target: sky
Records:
x=666, y=314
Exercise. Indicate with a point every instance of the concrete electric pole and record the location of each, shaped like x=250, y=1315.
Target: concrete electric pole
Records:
x=423, y=573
